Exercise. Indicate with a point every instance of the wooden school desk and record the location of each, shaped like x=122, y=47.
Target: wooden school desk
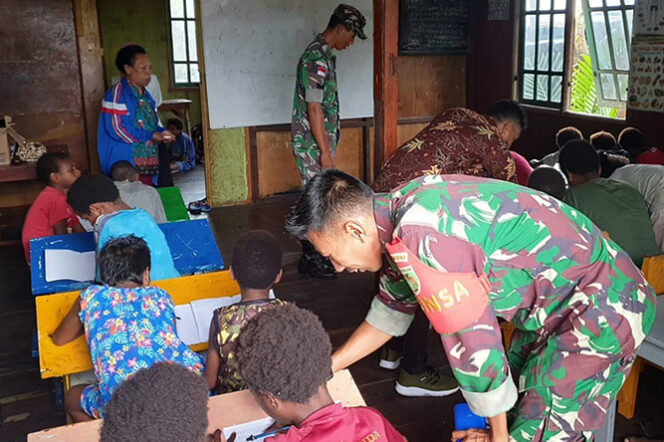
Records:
x=74, y=357
x=223, y=411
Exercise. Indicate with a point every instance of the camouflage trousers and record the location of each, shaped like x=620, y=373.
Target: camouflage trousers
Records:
x=307, y=159
x=569, y=378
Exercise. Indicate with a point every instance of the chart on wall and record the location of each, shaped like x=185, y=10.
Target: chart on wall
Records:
x=251, y=52
x=649, y=17
x=646, y=77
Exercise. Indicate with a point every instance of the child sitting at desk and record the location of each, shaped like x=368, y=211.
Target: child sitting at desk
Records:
x=50, y=214
x=96, y=199
x=148, y=408
x=128, y=324
x=256, y=266
x=292, y=342
x=135, y=193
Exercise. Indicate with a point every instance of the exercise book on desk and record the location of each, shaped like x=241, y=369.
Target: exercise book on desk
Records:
x=244, y=431
x=63, y=264
x=193, y=319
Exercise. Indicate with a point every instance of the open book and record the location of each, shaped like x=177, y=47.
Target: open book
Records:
x=193, y=319
x=244, y=431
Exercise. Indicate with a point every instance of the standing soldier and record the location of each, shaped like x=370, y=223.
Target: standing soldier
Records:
x=315, y=126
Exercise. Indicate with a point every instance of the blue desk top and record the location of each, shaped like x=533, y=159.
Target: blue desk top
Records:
x=192, y=245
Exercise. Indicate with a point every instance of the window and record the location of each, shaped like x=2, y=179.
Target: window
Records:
x=184, y=53
x=574, y=55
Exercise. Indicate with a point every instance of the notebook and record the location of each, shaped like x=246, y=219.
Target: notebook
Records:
x=70, y=265
x=248, y=429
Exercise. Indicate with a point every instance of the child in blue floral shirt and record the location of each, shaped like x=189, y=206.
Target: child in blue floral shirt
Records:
x=128, y=324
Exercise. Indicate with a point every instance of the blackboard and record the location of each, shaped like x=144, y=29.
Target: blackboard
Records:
x=434, y=26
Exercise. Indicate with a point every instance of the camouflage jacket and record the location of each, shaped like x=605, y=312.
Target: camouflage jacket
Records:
x=226, y=325
x=548, y=270
x=316, y=82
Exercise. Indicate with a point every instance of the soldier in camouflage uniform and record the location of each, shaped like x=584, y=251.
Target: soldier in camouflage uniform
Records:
x=470, y=250
x=315, y=125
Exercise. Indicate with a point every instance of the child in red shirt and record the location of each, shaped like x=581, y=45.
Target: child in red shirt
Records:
x=50, y=214
x=284, y=357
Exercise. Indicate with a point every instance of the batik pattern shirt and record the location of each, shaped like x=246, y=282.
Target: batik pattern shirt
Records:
x=128, y=329
x=316, y=82
x=457, y=141
x=551, y=272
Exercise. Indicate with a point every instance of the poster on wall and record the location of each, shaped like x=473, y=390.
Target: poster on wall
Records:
x=649, y=17
x=499, y=10
x=646, y=76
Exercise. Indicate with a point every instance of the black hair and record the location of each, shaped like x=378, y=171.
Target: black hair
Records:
x=325, y=198
x=632, y=140
x=91, y=189
x=256, y=259
x=123, y=170
x=123, y=259
x=49, y=163
x=175, y=122
x=566, y=134
x=160, y=403
x=578, y=157
x=285, y=351
x=508, y=110
x=127, y=55
x=610, y=161
x=603, y=140
x=336, y=20
x=549, y=180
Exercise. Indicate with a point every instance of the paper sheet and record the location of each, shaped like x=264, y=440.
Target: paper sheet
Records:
x=243, y=431
x=186, y=324
x=67, y=264
x=203, y=309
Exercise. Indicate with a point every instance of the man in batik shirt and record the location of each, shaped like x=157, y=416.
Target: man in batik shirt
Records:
x=470, y=250
x=315, y=125
x=459, y=141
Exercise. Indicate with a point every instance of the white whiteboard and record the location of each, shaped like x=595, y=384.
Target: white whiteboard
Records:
x=251, y=52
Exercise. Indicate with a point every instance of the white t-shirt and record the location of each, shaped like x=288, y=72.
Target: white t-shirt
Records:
x=138, y=195
x=648, y=179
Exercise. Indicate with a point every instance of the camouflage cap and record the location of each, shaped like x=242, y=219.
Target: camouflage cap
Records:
x=352, y=18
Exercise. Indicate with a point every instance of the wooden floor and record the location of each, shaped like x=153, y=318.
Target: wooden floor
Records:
x=28, y=403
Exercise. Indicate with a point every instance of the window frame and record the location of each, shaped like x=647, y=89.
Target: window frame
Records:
x=594, y=55
x=570, y=23
x=521, y=71
x=172, y=62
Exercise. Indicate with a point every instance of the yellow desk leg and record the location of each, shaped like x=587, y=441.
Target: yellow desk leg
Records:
x=627, y=394
x=66, y=385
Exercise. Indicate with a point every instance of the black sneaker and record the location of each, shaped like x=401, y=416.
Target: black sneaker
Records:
x=316, y=267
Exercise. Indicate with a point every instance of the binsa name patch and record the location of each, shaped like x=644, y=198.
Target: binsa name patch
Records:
x=451, y=300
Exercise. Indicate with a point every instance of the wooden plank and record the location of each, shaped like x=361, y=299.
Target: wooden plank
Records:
x=430, y=84
x=386, y=86
x=74, y=357
x=205, y=113
x=223, y=411
x=92, y=72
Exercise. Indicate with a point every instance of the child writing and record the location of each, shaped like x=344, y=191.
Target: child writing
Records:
x=50, y=214
x=128, y=325
x=256, y=265
x=293, y=345
x=96, y=199
x=136, y=194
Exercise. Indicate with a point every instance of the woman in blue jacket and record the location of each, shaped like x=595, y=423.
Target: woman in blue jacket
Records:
x=129, y=128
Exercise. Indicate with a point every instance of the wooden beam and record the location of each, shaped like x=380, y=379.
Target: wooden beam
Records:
x=386, y=86
x=92, y=72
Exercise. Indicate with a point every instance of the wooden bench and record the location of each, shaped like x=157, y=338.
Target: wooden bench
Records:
x=223, y=411
x=74, y=357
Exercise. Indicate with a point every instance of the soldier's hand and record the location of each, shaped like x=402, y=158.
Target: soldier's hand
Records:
x=326, y=160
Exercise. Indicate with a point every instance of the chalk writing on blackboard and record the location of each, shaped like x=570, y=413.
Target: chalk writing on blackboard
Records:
x=434, y=26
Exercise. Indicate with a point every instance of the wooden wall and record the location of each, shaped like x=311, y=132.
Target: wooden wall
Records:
x=41, y=82
x=427, y=85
